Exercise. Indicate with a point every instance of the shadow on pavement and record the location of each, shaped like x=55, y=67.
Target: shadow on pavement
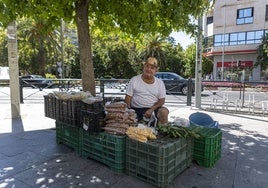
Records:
x=34, y=159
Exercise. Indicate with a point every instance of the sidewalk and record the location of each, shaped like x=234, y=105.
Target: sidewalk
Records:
x=30, y=156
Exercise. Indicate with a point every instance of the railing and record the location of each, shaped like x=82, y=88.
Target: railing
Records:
x=250, y=97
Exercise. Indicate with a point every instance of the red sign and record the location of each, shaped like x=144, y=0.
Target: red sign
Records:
x=236, y=64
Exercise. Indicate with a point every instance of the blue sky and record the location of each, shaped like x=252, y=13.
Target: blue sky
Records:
x=182, y=38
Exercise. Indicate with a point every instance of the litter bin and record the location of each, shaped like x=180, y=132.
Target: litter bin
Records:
x=202, y=119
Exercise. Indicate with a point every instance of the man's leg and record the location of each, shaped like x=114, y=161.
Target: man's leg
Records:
x=162, y=115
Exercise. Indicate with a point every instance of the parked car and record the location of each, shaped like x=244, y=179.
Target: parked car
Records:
x=174, y=83
x=35, y=81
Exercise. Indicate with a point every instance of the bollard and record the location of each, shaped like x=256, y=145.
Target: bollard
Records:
x=102, y=88
x=189, y=92
x=21, y=91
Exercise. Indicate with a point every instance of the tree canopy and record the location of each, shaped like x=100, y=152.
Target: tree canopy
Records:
x=134, y=18
x=262, y=50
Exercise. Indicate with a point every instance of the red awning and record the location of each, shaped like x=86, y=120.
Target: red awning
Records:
x=234, y=64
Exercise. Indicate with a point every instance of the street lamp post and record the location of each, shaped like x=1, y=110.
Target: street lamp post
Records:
x=223, y=45
x=198, y=64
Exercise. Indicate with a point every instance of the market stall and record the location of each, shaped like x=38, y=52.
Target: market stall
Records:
x=108, y=132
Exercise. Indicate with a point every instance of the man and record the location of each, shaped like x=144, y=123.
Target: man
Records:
x=146, y=93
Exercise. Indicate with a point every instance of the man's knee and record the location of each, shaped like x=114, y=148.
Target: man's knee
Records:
x=162, y=115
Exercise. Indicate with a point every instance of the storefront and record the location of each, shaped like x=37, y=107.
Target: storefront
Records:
x=235, y=70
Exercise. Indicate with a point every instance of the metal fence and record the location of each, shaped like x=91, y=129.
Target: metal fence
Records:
x=238, y=97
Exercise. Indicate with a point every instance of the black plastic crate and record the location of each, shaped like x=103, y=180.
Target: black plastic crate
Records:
x=50, y=106
x=97, y=106
x=92, y=122
x=69, y=111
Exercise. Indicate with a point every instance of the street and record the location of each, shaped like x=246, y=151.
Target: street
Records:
x=209, y=98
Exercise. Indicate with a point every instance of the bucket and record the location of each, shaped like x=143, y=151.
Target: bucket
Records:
x=202, y=119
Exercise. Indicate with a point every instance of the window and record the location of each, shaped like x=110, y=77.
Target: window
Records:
x=244, y=16
x=232, y=39
x=209, y=20
x=258, y=36
x=208, y=42
x=220, y=39
x=241, y=38
x=250, y=37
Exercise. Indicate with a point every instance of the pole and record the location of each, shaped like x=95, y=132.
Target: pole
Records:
x=190, y=91
x=13, y=69
x=223, y=45
x=62, y=48
x=198, y=64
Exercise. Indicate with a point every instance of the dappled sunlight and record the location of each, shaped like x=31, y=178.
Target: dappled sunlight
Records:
x=95, y=179
x=5, y=170
x=247, y=148
x=7, y=182
x=65, y=171
x=250, y=144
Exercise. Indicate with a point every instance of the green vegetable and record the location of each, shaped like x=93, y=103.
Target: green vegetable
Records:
x=177, y=131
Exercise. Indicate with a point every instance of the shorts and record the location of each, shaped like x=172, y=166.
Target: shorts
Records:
x=141, y=111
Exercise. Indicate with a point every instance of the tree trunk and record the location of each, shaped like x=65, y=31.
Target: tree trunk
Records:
x=41, y=58
x=84, y=42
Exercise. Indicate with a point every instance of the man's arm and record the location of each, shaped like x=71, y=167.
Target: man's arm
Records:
x=128, y=101
x=156, y=105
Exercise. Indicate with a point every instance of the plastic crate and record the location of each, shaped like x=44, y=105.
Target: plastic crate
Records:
x=68, y=111
x=92, y=122
x=207, y=149
x=158, y=161
x=97, y=106
x=50, y=106
x=69, y=135
x=106, y=148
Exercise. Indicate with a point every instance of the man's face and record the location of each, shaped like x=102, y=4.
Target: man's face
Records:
x=149, y=70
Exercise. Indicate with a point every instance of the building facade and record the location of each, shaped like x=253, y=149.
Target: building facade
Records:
x=233, y=30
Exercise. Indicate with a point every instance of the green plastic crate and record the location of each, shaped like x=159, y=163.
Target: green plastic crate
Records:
x=158, y=161
x=69, y=135
x=106, y=148
x=207, y=149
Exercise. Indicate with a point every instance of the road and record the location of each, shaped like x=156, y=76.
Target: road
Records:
x=206, y=96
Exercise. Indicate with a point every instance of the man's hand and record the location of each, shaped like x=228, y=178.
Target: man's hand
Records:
x=148, y=113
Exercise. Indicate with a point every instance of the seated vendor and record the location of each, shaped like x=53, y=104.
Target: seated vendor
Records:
x=146, y=93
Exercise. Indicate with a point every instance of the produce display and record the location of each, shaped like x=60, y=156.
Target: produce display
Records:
x=72, y=95
x=118, y=118
x=177, y=131
x=140, y=134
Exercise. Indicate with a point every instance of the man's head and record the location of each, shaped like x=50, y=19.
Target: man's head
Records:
x=150, y=67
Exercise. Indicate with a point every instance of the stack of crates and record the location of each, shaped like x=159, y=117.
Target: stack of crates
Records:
x=106, y=148
x=158, y=161
x=69, y=135
x=207, y=148
x=50, y=106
